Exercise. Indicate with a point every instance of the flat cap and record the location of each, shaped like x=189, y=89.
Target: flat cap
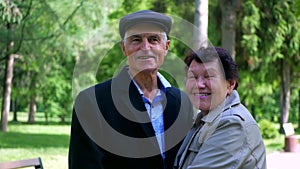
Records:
x=145, y=16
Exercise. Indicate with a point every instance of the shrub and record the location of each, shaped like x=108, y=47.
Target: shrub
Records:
x=268, y=129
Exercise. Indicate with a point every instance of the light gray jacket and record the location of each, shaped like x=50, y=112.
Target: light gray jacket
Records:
x=229, y=139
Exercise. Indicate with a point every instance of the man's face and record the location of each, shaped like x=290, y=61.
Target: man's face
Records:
x=206, y=85
x=145, y=48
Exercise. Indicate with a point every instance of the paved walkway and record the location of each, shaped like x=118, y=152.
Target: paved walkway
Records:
x=283, y=160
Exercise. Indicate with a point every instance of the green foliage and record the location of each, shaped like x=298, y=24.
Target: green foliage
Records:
x=66, y=46
x=214, y=20
x=51, y=37
x=294, y=110
x=267, y=129
x=111, y=63
x=266, y=34
x=10, y=12
x=250, y=40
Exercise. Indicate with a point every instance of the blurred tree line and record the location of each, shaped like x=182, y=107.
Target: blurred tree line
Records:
x=50, y=50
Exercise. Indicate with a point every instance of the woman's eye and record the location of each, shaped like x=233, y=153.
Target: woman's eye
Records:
x=209, y=76
x=191, y=76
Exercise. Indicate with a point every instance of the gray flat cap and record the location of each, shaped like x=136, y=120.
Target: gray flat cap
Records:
x=145, y=16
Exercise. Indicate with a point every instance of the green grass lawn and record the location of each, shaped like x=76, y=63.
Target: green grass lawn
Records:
x=276, y=144
x=50, y=142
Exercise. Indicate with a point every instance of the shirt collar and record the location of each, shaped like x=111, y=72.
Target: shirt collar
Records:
x=161, y=80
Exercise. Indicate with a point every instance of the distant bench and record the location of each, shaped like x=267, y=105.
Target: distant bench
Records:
x=291, y=140
x=34, y=162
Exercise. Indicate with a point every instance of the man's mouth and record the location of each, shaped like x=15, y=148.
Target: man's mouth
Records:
x=145, y=57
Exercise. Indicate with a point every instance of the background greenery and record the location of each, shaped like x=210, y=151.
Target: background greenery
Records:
x=56, y=42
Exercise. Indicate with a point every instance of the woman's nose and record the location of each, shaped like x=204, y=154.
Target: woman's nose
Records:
x=200, y=82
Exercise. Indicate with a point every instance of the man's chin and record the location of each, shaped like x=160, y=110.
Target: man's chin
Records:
x=149, y=70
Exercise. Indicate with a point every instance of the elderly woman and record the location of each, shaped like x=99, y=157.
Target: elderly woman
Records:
x=224, y=134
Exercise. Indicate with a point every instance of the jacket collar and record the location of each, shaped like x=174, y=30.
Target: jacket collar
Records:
x=125, y=92
x=123, y=80
x=230, y=101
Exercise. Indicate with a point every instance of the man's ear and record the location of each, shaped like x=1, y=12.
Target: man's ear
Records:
x=123, y=48
x=230, y=86
x=167, y=46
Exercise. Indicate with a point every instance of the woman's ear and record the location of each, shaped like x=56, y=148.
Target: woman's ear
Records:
x=230, y=86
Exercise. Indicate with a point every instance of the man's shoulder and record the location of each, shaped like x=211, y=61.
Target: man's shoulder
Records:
x=99, y=86
x=104, y=84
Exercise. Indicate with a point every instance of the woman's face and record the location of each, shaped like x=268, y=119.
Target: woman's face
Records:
x=206, y=85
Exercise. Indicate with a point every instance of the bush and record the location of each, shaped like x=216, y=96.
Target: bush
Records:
x=268, y=129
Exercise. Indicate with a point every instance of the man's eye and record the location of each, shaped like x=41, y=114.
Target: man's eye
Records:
x=154, y=39
x=136, y=39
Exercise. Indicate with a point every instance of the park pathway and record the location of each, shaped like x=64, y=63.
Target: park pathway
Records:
x=283, y=160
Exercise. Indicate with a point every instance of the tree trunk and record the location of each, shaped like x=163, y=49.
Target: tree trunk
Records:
x=201, y=24
x=7, y=91
x=285, y=93
x=228, y=10
x=32, y=110
x=298, y=109
x=159, y=6
x=63, y=119
x=46, y=117
x=14, y=107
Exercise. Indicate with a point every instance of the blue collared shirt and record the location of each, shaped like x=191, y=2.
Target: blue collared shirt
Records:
x=155, y=110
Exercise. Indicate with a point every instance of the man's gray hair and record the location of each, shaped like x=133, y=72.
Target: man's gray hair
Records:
x=163, y=34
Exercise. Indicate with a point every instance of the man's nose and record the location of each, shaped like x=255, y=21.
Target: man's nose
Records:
x=145, y=45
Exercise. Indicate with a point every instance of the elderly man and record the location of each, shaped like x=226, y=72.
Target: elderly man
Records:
x=129, y=121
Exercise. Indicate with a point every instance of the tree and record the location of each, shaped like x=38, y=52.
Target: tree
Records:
x=201, y=23
x=36, y=38
x=229, y=9
x=270, y=45
x=11, y=15
x=7, y=89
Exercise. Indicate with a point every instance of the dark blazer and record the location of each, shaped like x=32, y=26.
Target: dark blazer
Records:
x=111, y=128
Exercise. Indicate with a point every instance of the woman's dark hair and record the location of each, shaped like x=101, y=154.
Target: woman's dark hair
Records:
x=204, y=55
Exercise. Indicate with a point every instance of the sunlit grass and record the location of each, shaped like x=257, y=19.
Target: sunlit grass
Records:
x=275, y=144
x=22, y=141
x=50, y=142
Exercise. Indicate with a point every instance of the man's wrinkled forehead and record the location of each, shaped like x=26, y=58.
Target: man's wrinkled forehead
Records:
x=143, y=29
